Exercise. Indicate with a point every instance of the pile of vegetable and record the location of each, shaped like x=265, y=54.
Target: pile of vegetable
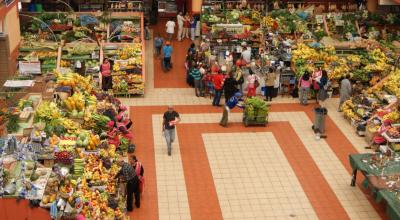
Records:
x=256, y=109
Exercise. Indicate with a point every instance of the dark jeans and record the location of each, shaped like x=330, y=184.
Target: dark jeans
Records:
x=269, y=92
x=167, y=63
x=106, y=83
x=217, y=97
x=132, y=187
x=158, y=51
x=198, y=87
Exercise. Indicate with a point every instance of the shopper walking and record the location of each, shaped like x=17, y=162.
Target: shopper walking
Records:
x=180, y=20
x=128, y=175
x=193, y=23
x=252, y=84
x=186, y=26
x=167, y=51
x=246, y=54
x=230, y=87
x=228, y=61
x=230, y=104
x=170, y=26
x=158, y=43
x=304, y=88
x=323, y=88
x=345, y=90
x=106, y=78
x=277, y=83
x=170, y=119
x=139, y=170
x=195, y=73
x=218, y=81
x=239, y=79
x=269, y=84
x=316, y=77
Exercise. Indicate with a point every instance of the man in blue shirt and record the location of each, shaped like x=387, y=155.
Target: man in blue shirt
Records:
x=230, y=104
x=167, y=50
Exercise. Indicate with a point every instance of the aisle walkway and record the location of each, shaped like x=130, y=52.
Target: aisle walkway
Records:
x=276, y=172
x=176, y=77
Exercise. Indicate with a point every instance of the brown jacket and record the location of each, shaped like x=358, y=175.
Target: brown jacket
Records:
x=270, y=79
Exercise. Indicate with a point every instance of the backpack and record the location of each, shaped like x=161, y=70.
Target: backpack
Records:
x=241, y=80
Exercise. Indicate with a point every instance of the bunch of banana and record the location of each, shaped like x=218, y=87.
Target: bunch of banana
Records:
x=393, y=116
x=75, y=102
x=304, y=52
x=91, y=100
x=71, y=126
x=393, y=83
x=47, y=111
x=116, y=67
x=339, y=70
x=353, y=60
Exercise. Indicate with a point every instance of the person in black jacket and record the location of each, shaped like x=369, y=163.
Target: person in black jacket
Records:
x=128, y=174
x=230, y=87
x=138, y=167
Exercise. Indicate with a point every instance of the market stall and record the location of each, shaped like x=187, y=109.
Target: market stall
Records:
x=65, y=160
x=126, y=50
x=382, y=172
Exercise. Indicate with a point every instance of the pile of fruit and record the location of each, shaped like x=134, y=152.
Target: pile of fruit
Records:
x=79, y=166
x=64, y=157
x=75, y=102
x=130, y=51
x=47, y=111
x=348, y=111
x=377, y=61
x=394, y=132
x=74, y=80
x=256, y=109
x=393, y=83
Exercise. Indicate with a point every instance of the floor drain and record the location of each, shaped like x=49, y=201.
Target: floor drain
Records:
x=292, y=215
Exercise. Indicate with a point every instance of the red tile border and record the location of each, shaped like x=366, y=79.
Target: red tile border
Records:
x=199, y=181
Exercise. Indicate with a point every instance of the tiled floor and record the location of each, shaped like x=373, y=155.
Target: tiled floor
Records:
x=275, y=172
x=246, y=179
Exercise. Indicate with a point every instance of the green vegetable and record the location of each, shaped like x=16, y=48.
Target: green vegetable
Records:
x=256, y=109
x=12, y=125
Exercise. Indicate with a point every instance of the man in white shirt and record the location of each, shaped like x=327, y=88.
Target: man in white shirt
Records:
x=246, y=54
x=180, y=20
x=170, y=28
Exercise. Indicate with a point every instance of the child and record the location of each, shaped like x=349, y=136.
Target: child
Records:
x=158, y=43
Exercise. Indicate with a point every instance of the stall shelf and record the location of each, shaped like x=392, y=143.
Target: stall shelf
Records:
x=130, y=67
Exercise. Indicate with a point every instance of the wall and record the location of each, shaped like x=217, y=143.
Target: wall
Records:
x=9, y=19
x=11, y=27
x=196, y=6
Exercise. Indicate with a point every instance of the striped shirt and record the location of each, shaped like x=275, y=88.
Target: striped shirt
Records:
x=195, y=73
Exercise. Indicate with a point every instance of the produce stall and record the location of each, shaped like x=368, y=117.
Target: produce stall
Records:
x=126, y=51
x=81, y=57
x=65, y=160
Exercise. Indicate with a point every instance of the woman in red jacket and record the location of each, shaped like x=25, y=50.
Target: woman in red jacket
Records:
x=106, y=79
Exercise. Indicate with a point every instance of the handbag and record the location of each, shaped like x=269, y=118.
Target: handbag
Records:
x=315, y=85
x=256, y=84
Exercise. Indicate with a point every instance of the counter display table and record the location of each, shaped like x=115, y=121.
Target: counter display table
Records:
x=382, y=174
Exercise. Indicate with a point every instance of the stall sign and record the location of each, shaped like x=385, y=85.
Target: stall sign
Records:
x=29, y=67
x=339, y=22
x=319, y=19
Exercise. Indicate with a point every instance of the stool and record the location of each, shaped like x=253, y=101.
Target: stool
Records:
x=287, y=88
